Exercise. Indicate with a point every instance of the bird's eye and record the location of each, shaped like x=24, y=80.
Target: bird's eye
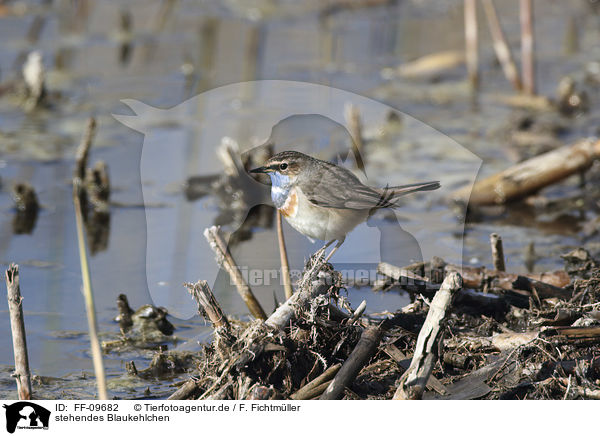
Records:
x=283, y=166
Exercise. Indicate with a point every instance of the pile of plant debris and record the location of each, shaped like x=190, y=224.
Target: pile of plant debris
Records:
x=498, y=336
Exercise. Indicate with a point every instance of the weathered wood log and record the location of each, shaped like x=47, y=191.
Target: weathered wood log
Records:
x=478, y=277
x=225, y=260
x=497, y=252
x=528, y=177
x=17, y=326
x=316, y=386
x=364, y=350
x=186, y=391
x=543, y=290
x=414, y=380
x=431, y=64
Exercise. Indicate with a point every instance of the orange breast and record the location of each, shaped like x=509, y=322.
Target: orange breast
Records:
x=290, y=207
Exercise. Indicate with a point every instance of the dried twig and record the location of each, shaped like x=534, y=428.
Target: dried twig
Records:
x=17, y=326
x=89, y=298
x=285, y=266
x=226, y=261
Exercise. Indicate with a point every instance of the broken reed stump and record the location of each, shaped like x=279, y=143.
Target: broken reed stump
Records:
x=17, y=326
x=34, y=76
x=27, y=206
x=501, y=47
x=207, y=304
x=225, y=260
x=81, y=156
x=527, y=46
x=125, y=312
x=360, y=356
x=414, y=380
x=497, y=252
x=352, y=116
x=528, y=177
x=471, y=42
x=318, y=385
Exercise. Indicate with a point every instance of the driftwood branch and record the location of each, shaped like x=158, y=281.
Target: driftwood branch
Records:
x=17, y=325
x=364, y=350
x=530, y=176
x=225, y=260
x=414, y=380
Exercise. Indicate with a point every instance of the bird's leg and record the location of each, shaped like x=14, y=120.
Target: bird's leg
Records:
x=340, y=242
x=320, y=251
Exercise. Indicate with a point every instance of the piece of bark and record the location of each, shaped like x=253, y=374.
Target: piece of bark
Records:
x=414, y=380
x=317, y=385
x=528, y=177
x=17, y=326
x=225, y=259
x=364, y=350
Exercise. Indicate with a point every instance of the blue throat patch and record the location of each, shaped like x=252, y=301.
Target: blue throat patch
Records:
x=280, y=188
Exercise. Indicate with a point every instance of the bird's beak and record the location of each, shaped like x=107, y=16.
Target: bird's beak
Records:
x=260, y=170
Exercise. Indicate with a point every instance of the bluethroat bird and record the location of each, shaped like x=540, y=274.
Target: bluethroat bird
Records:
x=324, y=201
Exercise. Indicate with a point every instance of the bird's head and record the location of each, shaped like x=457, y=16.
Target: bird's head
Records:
x=284, y=167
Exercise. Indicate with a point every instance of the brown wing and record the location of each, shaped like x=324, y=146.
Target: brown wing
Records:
x=338, y=188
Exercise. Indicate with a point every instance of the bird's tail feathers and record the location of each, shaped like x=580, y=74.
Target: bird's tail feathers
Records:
x=389, y=194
